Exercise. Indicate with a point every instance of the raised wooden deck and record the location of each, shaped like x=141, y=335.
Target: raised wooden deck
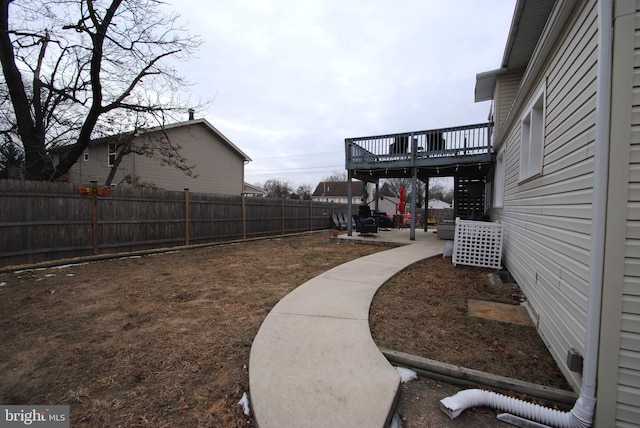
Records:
x=429, y=151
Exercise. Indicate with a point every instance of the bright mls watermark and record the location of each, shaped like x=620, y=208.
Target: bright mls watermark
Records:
x=34, y=416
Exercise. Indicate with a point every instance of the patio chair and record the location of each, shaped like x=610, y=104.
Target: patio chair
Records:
x=400, y=145
x=336, y=222
x=343, y=221
x=384, y=222
x=364, y=211
x=365, y=228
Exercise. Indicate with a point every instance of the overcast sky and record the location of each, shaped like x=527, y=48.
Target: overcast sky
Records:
x=290, y=80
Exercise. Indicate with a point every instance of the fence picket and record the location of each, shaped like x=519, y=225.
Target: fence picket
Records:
x=42, y=221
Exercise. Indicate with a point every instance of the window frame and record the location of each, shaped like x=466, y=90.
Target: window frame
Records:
x=532, y=137
x=86, y=154
x=111, y=154
x=499, y=178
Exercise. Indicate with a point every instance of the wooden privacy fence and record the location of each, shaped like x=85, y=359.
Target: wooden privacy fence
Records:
x=42, y=221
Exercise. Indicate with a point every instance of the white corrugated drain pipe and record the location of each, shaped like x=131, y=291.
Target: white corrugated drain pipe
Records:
x=584, y=409
x=453, y=406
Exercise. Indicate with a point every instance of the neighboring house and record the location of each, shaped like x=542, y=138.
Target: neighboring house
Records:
x=336, y=191
x=386, y=204
x=255, y=191
x=437, y=204
x=565, y=106
x=218, y=165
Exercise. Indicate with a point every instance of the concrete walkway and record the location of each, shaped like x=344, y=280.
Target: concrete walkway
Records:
x=313, y=362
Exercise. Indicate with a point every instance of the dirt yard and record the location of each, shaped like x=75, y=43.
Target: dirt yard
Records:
x=163, y=340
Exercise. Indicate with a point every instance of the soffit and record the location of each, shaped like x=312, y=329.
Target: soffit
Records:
x=529, y=20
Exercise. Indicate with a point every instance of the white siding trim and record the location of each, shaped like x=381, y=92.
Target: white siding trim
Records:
x=532, y=138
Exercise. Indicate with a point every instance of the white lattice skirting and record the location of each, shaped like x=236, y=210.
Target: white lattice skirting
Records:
x=478, y=243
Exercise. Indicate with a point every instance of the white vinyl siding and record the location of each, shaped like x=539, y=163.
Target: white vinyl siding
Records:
x=619, y=365
x=506, y=88
x=547, y=220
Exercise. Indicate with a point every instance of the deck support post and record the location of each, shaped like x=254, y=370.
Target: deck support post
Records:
x=349, y=202
x=414, y=187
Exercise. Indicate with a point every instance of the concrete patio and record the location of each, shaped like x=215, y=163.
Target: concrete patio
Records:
x=395, y=236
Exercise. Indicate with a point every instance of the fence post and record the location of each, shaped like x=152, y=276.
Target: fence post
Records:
x=186, y=216
x=283, y=216
x=311, y=215
x=94, y=216
x=244, y=217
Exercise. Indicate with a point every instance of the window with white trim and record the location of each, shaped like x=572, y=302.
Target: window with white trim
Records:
x=532, y=141
x=112, y=154
x=498, y=180
x=86, y=154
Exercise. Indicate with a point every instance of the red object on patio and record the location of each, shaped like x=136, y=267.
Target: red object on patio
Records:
x=401, y=205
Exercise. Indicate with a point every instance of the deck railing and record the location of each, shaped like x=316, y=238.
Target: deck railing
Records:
x=435, y=143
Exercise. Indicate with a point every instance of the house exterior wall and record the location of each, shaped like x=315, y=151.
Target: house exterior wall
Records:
x=338, y=199
x=96, y=167
x=618, y=397
x=336, y=191
x=218, y=168
x=547, y=217
x=386, y=206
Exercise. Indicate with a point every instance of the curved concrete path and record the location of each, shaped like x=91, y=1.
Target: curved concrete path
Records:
x=313, y=362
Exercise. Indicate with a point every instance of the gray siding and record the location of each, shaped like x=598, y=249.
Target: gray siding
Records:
x=547, y=218
x=217, y=167
x=97, y=167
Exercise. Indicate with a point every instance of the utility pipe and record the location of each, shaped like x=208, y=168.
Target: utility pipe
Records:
x=584, y=409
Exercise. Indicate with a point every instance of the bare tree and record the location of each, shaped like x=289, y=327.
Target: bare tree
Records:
x=153, y=143
x=277, y=188
x=336, y=176
x=75, y=70
x=11, y=158
x=439, y=190
x=391, y=187
x=303, y=192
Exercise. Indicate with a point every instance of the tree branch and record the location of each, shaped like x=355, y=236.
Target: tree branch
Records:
x=145, y=72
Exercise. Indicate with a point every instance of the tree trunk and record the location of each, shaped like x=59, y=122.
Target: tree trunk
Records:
x=34, y=145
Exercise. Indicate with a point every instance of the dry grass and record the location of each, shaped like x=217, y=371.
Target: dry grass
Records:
x=423, y=311
x=160, y=340
x=164, y=340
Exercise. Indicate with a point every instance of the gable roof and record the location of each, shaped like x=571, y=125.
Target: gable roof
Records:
x=338, y=188
x=437, y=203
x=193, y=122
x=211, y=129
x=250, y=189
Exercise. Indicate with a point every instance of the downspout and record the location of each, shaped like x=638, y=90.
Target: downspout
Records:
x=583, y=411
x=587, y=401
